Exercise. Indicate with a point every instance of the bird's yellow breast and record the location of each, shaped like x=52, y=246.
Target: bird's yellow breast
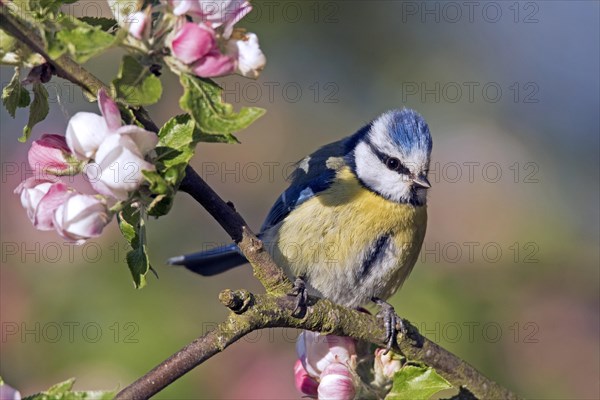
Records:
x=326, y=238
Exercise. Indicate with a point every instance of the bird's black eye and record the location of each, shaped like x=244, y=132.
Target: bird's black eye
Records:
x=393, y=163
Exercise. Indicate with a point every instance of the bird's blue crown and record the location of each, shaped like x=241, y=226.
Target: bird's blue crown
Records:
x=408, y=130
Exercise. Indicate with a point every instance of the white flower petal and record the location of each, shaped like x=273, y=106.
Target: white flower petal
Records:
x=85, y=132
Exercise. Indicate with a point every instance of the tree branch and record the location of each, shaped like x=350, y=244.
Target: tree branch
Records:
x=265, y=269
x=252, y=312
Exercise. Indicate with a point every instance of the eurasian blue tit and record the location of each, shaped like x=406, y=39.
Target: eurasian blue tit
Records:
x=352, y=222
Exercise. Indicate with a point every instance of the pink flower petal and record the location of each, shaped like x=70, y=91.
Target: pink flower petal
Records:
x=85, y=132
x=192, y=42
x=304, y=382
x=49, y=153
x=32, y=190
x=336, y=383
x=109, y=110
x=44, y=212
x=181, y=7
x=143, y=139
x=233, y=16
x=138, y=23
x=214, y=64
x=81, y=217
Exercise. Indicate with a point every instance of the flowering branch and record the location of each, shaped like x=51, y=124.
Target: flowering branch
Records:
x=249, y=312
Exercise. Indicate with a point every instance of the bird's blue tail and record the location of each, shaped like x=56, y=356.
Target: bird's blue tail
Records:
x=211, y=262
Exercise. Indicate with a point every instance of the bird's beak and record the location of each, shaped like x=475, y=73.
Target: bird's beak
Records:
x=422, y=181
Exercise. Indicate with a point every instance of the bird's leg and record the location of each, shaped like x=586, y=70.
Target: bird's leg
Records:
x=391, y=322
x=301, y=295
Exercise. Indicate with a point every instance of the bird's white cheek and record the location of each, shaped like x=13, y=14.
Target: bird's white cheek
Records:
x=378, y=177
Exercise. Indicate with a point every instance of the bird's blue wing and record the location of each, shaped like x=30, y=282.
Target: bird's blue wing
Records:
x=312, y=175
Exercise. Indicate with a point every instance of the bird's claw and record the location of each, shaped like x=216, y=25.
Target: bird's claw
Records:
x=391, y=322
x=301, y=295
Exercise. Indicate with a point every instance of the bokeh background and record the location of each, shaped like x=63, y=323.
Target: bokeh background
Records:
x=509, y=275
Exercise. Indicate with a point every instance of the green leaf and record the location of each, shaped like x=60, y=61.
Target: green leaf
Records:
x=158, y=185
x=161, y=205
x=54, y=3
x=80, y=39
x=416, y=383
x=62, y=391
x=177, y=141
x=61, y=387
x=14, y=95
x=176, y=146
x=84, y=43
x=136, y=84
x=203, y=100
x=106, y=24
x=38, y=111
x=133, y=228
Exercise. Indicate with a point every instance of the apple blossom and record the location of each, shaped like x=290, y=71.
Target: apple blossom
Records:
x=32, y=191
x=81, y=217
x=250, y=59
x=119, y=162
x=337, y=383
x=86, y=131
x=51, y=154
x=318, y=351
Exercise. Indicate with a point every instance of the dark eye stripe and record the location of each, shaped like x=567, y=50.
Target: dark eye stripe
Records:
x=385, y=159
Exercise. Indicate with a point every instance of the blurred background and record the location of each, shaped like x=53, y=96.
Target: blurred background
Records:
x=508, y=278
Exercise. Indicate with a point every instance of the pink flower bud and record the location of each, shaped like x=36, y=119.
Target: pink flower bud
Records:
x=304, y=382
x=317, y=351
x=40, y=197
x=81, y=217
x=388, y=364
x=192, y=42
x=337, y=383
x=385, y=366
x=44, y=214
x=51, y=154
x=214, y=64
